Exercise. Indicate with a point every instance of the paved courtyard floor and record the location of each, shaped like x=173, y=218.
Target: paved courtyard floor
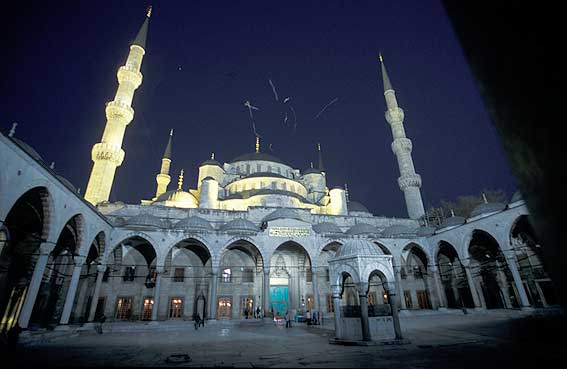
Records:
x=495, y=340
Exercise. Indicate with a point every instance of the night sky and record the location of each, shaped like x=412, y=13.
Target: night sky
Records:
x=204, y=59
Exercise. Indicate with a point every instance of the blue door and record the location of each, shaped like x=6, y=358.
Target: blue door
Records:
x=279, y=299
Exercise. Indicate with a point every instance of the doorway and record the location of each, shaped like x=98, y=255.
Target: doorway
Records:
x=279, y=297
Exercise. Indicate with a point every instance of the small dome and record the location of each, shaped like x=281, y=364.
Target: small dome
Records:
x=397, y=230
x=426, y=231
x=357, y=247
x=240, y=225
x=147, y=220
x=66, y=182
x=27, y=148
x=362, y=228
x=486, y=208
x=180, y=197
x=209, y=178
x=517, y=196
x=453, y=221
x=356, y=206
x=282, y=213
x=194, y=223
x=327, y=227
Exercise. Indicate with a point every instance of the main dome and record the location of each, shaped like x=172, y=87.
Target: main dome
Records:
x=257, y=156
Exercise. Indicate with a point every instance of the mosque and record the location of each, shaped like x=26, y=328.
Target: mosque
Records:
x=252, y=233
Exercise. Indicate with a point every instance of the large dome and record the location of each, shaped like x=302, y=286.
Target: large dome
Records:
x=281, y=214
x=194, y=223
x=258, y=156
x=356, y=206
x=357, y=247
x=240, y=225
x=362, y=228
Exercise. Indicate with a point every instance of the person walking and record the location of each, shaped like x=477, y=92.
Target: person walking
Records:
x=196, y=320
x=100, y=323
x=308, y=317
x=287, y=319
x=258, y=313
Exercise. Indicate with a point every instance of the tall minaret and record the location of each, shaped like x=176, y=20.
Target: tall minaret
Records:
x=163, y=177
x=108, y=154
x=409, y=181
x=320, y=157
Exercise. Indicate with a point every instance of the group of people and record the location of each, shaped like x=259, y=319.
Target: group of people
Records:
x=312, y=318
x=198, y=321
x=257, y=314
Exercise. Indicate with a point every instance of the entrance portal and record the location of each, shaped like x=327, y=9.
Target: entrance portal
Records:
x=279, y=299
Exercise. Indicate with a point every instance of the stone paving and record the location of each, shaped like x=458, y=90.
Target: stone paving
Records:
x=450, y=340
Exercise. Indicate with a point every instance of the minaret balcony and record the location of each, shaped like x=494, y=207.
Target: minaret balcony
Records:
x=129, y=74
x=394, y=115
x=412, y=180
x=120, y=111
x=401, y=144
x=103, y=151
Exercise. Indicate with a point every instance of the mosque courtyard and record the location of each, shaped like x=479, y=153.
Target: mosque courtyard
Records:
x=497, y=339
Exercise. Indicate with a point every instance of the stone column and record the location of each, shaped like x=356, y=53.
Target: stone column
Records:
x=336, y=290
x=511, y=260
x=155, y=308
x=214, y=282
x=34, y=285
x=472, y=287
x=101, y=269
x=397, y=271
x=315, y=290
x=266, y=293
x=441, y=298
x=71, y=291
x=393, y=306
x=362, y=289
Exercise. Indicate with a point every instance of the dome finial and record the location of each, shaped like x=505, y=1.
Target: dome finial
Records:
x=380, y=57
x=484, y=198
x=149, y=13
x=346, y=193
x=452, y=213
x=212, y=156
x=180, y=182
x=257, y=144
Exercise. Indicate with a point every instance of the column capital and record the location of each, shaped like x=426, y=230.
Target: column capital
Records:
x=79, y=260
x=101, y=268
x=160, y=269
x=362, y=289
x=266, y=270
x=336, y=290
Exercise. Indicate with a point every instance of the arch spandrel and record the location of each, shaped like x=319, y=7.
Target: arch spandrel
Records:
x=125, y=236
x=337, y=270
x=202, y=239
x=256, y=243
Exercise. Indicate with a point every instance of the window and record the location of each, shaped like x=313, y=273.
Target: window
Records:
x=308, y=275
x=247, y=168
x=274, y=187
x=248, y=275
x=407, y=298
x=278, y=170
x=129, y=273
x=124, y=308
x=226, y=275
x=327, y=274
x=106, y=275
x=176, y=307
x=330, y=306
x=179, y=275
x=147, y=308
x=269, y=168
x=284, y=186
x=372, y=298
x=259, y=167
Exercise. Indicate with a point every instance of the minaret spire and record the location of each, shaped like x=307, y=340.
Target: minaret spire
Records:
x=163, y=177
x=409, y=181
x=320, y=157
x=257, y=144
x=107, y=155
x=180, y=181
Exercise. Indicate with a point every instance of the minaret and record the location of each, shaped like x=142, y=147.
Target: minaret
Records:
x=163, y=177
x=409, y=181
x=107, y=155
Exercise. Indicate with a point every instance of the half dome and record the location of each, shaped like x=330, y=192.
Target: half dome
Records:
x=179, y=198
x=453, y=221
x=356, y=206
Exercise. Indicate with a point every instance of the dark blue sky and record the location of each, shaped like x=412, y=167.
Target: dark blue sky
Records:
x=205, y=58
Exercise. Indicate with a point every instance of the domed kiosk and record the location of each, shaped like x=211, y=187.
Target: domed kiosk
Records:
x=357, y=263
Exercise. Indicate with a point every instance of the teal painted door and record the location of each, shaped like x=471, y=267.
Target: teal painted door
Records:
x=279, y=299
